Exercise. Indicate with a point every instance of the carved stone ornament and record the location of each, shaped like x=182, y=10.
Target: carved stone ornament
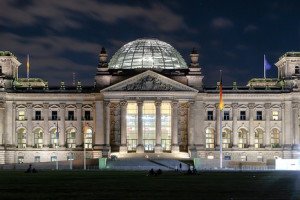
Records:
x=282, y=105
x=148, y=83
x=267, y=105
x=234, y=105
x=251, y=105
x=123, y=103
x=62, y=106
x=295, y=105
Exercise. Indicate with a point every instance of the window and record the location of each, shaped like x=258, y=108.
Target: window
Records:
x=242, y=138
x=297, y=70
x=38, y=115
x=275, y=115
x=258, y=115
x=226, y=115
x=37, y=159
x=88, y=137
x=54, y=115
x=38, y=138
x=53, y=158
x=0, y=70
x=149, y=126
x=166, y=128
x=21, y=115
x=71, y=115
x=210, y=138
x=87, y=115
x=132, y=126
x=54, y=137
x=226, y=138
x=71, y=138
x=275, y=138
x=210, y=115
x=242, y=115
x=21, y=138
x=258, y=138
x=20, y=159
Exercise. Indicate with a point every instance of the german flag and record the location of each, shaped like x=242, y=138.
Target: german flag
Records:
x=221, y=103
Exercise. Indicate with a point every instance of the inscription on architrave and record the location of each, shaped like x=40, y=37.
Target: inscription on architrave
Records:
x=183, y=127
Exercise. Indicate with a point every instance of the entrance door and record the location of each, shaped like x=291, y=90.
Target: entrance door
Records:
x=149, y=145
x=166, y=145
x=131, y=144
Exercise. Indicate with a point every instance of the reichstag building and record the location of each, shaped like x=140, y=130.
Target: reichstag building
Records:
x=147, y=99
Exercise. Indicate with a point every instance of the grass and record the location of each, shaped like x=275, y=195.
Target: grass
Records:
x=136, y=185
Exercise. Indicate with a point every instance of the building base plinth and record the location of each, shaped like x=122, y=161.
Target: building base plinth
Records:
x=158, y=149
x=175, y=149
x=123, y=149
x=140, y=149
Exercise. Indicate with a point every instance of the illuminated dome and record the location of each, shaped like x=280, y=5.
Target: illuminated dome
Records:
x=147, y=54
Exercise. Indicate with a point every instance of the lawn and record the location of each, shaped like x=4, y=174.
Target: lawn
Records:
x=136, y=185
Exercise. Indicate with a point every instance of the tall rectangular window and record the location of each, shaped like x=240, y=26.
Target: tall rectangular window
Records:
x=21, y=115
x=210, y=115
x=71, y=115
x=132, y=126
x=149, y=125
x=166, y=126
x=226, y=115
x=54, y=115
x=258, y=115
x=242, y=115
x=38, y=115
x=87, y=115
x=275, y=115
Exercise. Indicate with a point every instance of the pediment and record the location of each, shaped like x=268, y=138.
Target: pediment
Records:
x=149, y=81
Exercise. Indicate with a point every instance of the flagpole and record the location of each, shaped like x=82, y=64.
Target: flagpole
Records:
x=56, y=145
x=264, y=67
x=221, y=141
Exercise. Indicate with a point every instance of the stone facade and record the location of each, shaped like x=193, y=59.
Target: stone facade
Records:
x=40, y=124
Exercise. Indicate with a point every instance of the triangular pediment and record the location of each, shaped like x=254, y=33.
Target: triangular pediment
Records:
x=149, y=81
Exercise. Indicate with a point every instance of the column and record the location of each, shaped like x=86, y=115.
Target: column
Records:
x=235, y=134
x=191, y=125
x=175, y=147
x=217, y=125
x=158, y=147
x=295, y=132
x=2, y=128
x=30, y=136
x=46, y=135
x=13, y=133
x=140, y=146
x=267, y=138
x=99, y=125
x=251, y=139
x=199, y=130
x=79, y=134
x=282, y=135
x=123, y=147
x=288, y=124
x=107, y=123
x=9, y=123
x=61, y=126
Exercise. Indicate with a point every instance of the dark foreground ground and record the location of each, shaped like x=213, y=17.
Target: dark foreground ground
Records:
x=136, y=185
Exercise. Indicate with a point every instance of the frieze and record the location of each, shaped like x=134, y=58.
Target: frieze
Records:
x=149, y=83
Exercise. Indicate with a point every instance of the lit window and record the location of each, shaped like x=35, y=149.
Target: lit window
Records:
x=275, y=138
x=132, y=126
x=166, y=127
x=54, y=137
x=259, y=136
x=275, y=115
x=242, y=138
x=88, y=138
x=20, y=159
x=71, y=138
x=21, y=115
x=149, y=126
x=21, y=138
x=226, y=138
x=37, y=159
x=53, y=158
x=38, y=138
x=210, y=138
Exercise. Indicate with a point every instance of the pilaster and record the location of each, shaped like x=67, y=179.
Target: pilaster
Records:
x=158, y=147
x=267, y=138
x=234, y=124
x=123, y=147
x=251, y=139
x=140, y=146
x=175, y=147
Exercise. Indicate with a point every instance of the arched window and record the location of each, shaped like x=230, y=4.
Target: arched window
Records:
x=21, y=138
x=226, y=138
x=259, y=138
x=242, y=138
x=38, y=138
x=297, y=70
x=88, y=137
x=210, y=138
x=71, y=138
x=54, y=137
x=275, y=138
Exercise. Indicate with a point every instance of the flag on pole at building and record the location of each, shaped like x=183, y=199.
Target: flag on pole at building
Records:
x=27, y=66
x=221, y=103
x=267, y=66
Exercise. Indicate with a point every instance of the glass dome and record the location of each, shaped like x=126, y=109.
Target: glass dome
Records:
x=147, y=54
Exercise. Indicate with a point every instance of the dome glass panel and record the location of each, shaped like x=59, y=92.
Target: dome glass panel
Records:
x=148, y=54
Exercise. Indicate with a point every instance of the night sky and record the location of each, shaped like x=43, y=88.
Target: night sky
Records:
x=64, y=36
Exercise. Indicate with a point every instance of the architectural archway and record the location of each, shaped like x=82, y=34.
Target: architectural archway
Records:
x=21, y=132
x=38, y=137
x=258, y=138
x=209, y=138
x=243, y=138
x=71, y=137
x=226, y=138
x=275, y=135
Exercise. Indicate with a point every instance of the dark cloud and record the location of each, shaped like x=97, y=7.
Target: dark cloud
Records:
x=221, y=23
